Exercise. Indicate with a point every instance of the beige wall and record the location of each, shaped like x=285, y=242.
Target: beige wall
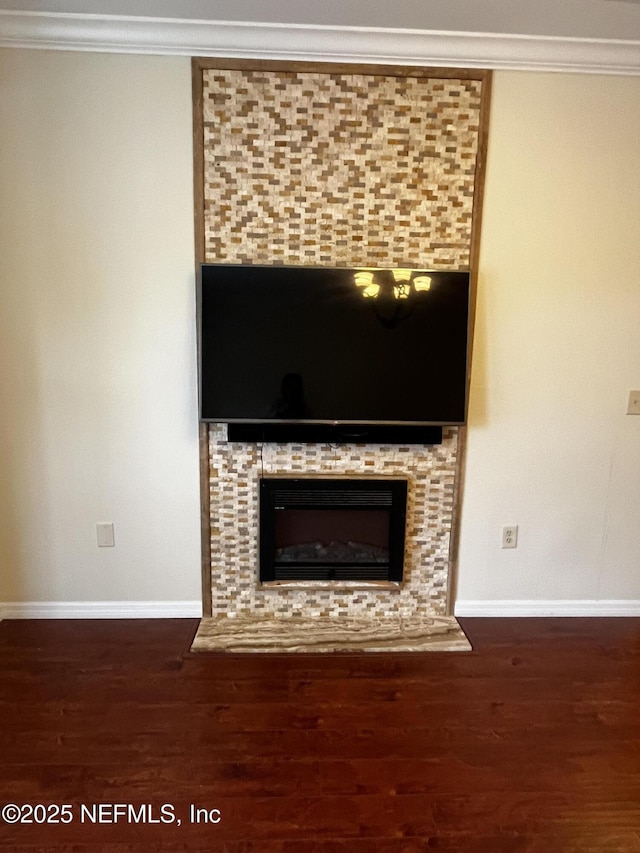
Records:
x=97, y=346
x=558, y=345
x=97, y=341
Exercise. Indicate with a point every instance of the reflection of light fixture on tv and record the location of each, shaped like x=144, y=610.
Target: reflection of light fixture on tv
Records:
x=369, y=288
x=394, y=293
x=362, y=278
x=422, y=283
x=371, y=291
x=402, y=286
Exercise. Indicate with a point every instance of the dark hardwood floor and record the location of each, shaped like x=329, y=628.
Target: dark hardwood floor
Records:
x=530, y=743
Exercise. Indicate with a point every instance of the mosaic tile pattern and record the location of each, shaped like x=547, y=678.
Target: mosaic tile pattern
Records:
x=341, y=169
x=235, y=471
x=347, y=170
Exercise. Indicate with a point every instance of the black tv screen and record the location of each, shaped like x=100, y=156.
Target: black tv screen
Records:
x=332, y=345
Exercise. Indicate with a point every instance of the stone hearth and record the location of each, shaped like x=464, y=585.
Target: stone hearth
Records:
x=435, y=634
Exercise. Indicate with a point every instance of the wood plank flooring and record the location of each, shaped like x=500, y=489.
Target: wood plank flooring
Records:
x=529, y=743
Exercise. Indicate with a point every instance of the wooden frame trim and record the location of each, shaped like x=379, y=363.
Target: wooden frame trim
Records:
x=200, y=64
x=203, y=437
x=474, y=261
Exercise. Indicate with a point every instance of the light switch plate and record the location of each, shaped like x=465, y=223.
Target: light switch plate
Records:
x=106, y=535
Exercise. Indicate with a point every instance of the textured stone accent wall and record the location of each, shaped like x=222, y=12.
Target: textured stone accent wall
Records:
x=235, y=471
x=341, y=169
x=345, y=169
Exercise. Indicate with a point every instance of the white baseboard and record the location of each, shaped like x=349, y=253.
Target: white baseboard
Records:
x=559, y=607
x=193, y=609
x=100, y=609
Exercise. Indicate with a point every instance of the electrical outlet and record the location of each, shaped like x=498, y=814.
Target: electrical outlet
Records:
x=634, y=403
x=105, y=534
x=510, y=536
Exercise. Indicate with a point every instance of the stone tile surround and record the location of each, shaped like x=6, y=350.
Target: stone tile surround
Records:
x=345, y=168
x=235, y=471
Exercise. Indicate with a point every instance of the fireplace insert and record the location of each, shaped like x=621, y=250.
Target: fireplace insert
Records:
x=332, y=529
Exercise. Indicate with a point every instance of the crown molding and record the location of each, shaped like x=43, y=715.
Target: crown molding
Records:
x=233, y=39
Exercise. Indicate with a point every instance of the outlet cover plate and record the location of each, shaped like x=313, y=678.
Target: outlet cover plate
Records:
x=510, y=536
x=634, y=403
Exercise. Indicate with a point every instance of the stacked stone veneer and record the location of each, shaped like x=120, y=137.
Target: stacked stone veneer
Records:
x=235, y=471
x=346, y=169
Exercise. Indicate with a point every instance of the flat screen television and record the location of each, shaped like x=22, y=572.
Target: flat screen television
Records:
x=326, y=345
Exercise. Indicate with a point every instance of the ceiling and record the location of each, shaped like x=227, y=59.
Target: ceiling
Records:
x=556, y=35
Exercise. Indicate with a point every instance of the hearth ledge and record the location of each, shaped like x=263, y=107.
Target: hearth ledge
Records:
x=331, y=586
x=320, y=634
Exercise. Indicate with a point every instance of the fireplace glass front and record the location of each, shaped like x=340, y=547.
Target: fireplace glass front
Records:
x=332, y=529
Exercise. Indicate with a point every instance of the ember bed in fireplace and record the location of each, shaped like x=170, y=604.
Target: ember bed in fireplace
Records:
x=332, y=529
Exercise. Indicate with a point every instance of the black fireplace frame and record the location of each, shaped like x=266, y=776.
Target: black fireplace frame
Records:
x=365, y=493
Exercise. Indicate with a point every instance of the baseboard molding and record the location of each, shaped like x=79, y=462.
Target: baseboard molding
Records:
x=193, y=609
x=559, y=607
x=100, y=609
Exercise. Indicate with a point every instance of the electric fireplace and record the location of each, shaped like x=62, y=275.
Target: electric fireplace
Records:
x=332, y=529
